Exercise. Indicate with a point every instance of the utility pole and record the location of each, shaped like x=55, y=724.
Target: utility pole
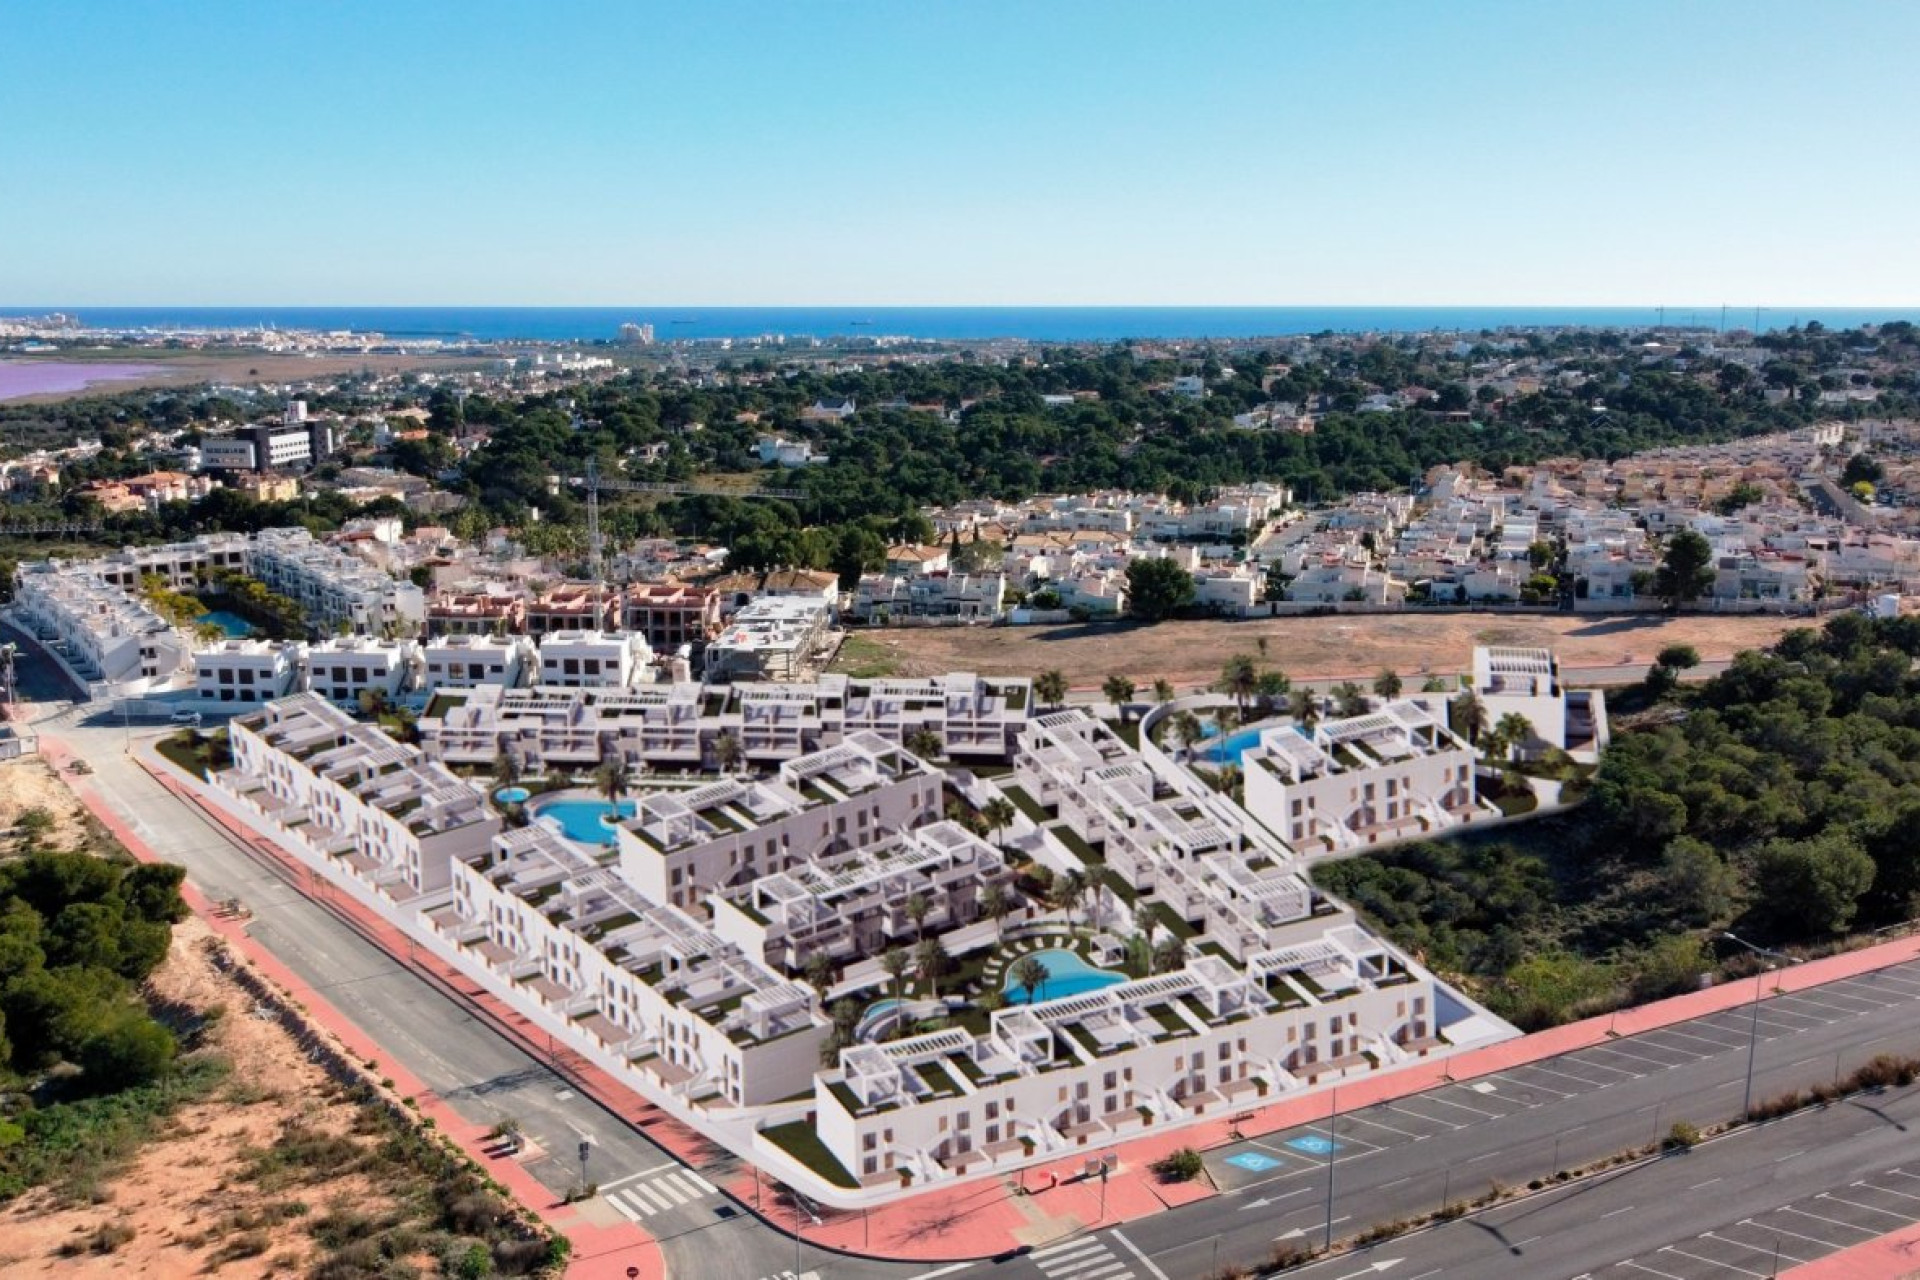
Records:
x=1753, y=1032
x=1333, y=1118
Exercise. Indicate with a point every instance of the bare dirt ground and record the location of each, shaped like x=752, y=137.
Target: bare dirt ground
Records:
x=187, y=368
x=188, y=1198
x=1357, y=645
x=29, y=783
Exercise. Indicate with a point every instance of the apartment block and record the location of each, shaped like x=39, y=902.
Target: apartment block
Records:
x=350, y=794
x=477, y=613
x=856, y=902
x=593, y=659
x=248, y=671
x=335, y=589
x=573, y=606
x=470, y=661
x=1393, y=774
x=679, y=726
x=670, y=614
x=774, y=638
x=1527, y=683
x=653, y=994
x=680, y=846
x=95, y=629
x=341, y=668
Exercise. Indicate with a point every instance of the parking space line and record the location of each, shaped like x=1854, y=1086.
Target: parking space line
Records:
x=1400, y=1108
x=1713, y=1262
x=1355, y=1115
x=1590, y=1084
x=1870, y=1208
x=1817, y=1217
x=1431, y=1099
x=1719, y=1046
x=1518, y=1083
x=1647, y=1058
x=1765, y=1251
x=1586, y=1060
x=1599, y=1049
x=1885, y=1191
x=1846, y=1000
x=1829, y=1245
x=1865, y=990
x=1894, y=978
x=1435, y=1097
x=1652, y=1271
x=1773, y=1008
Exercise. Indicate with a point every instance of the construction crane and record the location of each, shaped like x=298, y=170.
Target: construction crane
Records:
x=594, y=483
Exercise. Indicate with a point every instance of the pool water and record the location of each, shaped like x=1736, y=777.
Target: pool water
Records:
x=1067, y=975
x=512, y=795
x=231, y=623
x=581, y=820
x=1229, y=749
x=875, y=1011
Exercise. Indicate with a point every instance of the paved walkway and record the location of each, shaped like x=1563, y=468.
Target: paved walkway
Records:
x=980, y=1218
x=598, y=1250
x=1891, y=1257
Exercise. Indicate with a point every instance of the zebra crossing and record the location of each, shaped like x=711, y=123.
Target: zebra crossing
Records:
x=657, y=1191
x=1084, y=1259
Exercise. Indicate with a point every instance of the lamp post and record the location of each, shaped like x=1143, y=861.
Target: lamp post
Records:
x=1333, y=1119
x=1753, y=1031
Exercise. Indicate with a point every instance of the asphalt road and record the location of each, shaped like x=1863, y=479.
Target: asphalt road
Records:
x=478, y=1071
x=1407, y=1157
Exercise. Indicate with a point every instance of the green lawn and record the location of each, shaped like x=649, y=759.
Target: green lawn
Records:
x=195, y=758
x=1026, y=804
x=799, y=1140
x=865, y=659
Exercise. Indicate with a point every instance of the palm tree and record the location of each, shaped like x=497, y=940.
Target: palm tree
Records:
x=1387, y=683
x=614, y=776
x=1260, y=643
x=995, y=903
x=1163, y=690
x=999, y=814
x=1352, y=698
x=726, y=751
x=506, y=768
x=1433, y=684
x=895, y=961
x=1169, y=954
x=924, y=743
x=1069, y=890
x=1469, y=716
x=1050, y=687
x=1305, y=708
x=1185, y=726
x=1271, y=687
x=1118, y=690
x=1240, y=678
x=930, y=963
x=819, y=972
x=1514, y=729
x=917, y=908
x=1031, y=973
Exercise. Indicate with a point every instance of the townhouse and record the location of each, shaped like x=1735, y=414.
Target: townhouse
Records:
x=594, y=659
x=95, y=629
x=679, y=726
x=469, y=661
x=1392, y=774
x=334, y=589
x=771, y=638
x=246, y=671
x=671, y=615
x=341, y=668
x=1527, y=683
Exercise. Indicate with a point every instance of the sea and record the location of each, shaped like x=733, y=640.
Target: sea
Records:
x=1038, y=324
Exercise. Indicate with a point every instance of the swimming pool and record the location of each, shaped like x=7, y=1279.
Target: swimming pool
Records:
x=582, y=820
x=512, y=795
x=228, y=621
x=1229, y=749
x=874, y=1014
x=1067, y=975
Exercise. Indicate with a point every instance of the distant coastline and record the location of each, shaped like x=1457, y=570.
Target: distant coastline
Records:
x=960, y=324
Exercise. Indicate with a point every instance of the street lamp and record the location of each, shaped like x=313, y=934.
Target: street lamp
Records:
x=1753, y=1034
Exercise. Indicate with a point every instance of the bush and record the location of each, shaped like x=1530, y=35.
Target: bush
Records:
x=1684, y=1136
x=102, y=1239
x=1183, y=1165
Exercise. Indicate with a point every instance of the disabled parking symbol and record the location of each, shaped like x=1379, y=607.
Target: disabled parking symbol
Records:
x=1313, y=1144
x=1253, y=1162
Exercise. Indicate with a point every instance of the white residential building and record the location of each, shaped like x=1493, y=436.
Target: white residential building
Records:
x=95, y=629
x=1526, y=682
x=334, y=588
x=341, y=668
x=680, y=846
x=466, y=662
x=594, y=659
x=246, y=672
x=1392, y=774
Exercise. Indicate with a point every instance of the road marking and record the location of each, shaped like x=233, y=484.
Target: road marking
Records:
x=1134, y=1249
x=1709, y=1182
x=1828, y=1245
x=1712, y=1262
x=1355, y=1115
x=1765, y=1251
x=1052, y=1249
x=1790, y=1155
x=1518, y=1083
x=1820, y=1217
x=1566, y=1075
x=1652, y=1271
x=1405, y=1107
x=1614, y=1212
x=1719, y=1046
x=1828, y=1195
x=947, y=1270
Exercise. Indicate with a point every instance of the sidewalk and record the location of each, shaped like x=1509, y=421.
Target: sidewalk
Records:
x=598, y=1249
x=980, y=1218
x=1891, y=1257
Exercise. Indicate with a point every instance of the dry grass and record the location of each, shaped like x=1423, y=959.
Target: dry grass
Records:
x=1355, y=645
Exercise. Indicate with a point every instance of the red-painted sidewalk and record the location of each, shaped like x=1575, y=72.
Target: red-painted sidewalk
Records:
x=598, y=1251
x=1891, y=1257
x=981, y=1218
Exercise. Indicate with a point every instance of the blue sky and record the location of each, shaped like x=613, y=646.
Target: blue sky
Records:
x=920, y=152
